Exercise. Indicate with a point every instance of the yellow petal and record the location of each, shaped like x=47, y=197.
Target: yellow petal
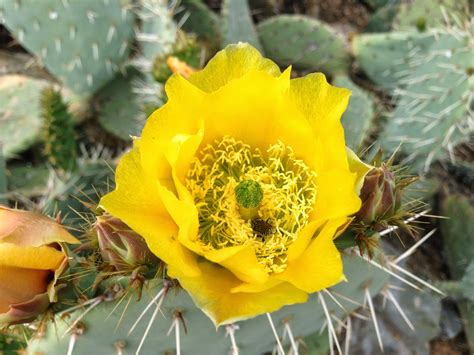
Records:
x=41, y=258
x=256, y=288
x=231, y=63
x=174, y=123
x=358, y=167
x=323, y=105
x=254, y=109
x=336, y=196
x=241, y=261
x=212, y=294
x=320, y=265
x=18, y=285
x=26, y=228
x=137, y=201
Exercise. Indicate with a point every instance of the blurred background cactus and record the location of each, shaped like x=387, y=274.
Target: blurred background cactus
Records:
x=78, y=79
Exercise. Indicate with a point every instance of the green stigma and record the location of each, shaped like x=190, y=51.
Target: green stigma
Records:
x=249, y=194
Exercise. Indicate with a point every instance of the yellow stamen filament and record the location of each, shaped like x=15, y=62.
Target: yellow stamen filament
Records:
x=289, y=193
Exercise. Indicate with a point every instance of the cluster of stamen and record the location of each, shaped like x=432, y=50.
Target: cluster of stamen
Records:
x=289, y=193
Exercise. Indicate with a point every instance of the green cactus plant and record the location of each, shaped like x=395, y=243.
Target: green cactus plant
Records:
x=197, y=18
x=423, y=14
x=20, y=112
x=60, y=142
x=105, y=327
x=119, y=110
x=382, y=19
x=384, y=57
x=3, y=177
x=237, y=24
x=305, y=43
x=83, y=43
x=433, y=111
x=359, y=115
x=457, y=231
x=71, y=193
x=157, y=34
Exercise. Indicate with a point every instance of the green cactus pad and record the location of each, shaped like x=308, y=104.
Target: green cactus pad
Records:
x=423, y=14
x=305, y=43
x=20, y=112
x=119, y=109
x=254, y=336
x=359, y=115
x=83, y=43
x=28, y=181
x=237, y=24
x=200, y=20
x=158, y=30
x=433, y=113
x=382, y=19
x=384, y=57
x=457, y=231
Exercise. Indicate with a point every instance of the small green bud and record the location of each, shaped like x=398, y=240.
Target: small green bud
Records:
x=421, y=24
x=249, y=194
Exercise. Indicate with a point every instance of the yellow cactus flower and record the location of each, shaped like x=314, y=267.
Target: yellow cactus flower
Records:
x=240, y=183
x=31, y=260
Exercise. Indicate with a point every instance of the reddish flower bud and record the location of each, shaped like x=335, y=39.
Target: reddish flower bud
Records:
x=380, y=195
x=120, y=246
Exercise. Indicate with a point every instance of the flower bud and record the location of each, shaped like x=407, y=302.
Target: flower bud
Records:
x=380, y=195
x=120, y=246
x=31, y=261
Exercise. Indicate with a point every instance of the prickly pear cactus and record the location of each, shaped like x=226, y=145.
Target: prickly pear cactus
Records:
x=197, y=18
x=424, y=14
x=119, y=111
x=433, y=113
x=459, y=250
x=158, y=30
x=20, y=112
x=359, y=116
x=83, y=43
x=237, y=24
x=304, y=42
x=384, y=57
x=107, y=326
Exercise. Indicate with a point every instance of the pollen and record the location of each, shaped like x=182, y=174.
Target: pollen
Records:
x=289, y=193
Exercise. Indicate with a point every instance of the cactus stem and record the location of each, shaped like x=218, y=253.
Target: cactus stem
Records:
x=368, y=298
x=332, y=333
x=279, y=346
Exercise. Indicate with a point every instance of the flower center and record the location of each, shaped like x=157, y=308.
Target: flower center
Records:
x=248, y=197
